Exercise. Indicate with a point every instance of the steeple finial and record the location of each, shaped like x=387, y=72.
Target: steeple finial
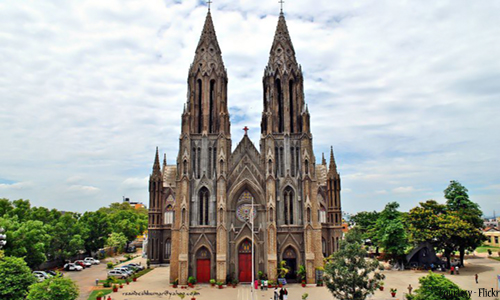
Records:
x=281, y=5
x=208, y=3
x=333, y=165
x=164, y=159
x=323, y=160
x=156, y=166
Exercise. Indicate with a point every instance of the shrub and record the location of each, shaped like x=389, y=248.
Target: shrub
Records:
x=212, y=281
x=192, y=280
x=110, y=265
x=304, y=296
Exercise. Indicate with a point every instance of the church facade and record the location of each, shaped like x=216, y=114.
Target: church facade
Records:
x=200, y=210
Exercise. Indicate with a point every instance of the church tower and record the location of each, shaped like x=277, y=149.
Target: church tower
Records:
x=287, y=153
x=205, y=145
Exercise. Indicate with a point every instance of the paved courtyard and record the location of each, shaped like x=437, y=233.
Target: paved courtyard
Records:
x=156, y=283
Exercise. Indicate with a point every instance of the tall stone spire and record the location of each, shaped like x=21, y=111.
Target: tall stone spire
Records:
x=208, y=46
x=156, y=166
x=333, y=166
x=282, y=51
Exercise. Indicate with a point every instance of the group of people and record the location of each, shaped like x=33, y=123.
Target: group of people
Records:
x=281, y=294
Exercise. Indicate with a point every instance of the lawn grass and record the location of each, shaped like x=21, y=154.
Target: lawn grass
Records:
x=495, y=258
x=484, y=249
x=94, y=293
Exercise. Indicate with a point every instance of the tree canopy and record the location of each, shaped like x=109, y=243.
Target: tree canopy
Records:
x=15, y=278
x=54, y=288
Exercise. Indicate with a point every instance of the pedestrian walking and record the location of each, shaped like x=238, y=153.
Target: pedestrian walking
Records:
x=282, y=293
x=410, y=288
x=285, y=295
x=452, y=270
x=276, y=294
x=457, y=270
x=477, y=277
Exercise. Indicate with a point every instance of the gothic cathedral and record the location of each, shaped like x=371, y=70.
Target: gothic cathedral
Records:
x=200, y=210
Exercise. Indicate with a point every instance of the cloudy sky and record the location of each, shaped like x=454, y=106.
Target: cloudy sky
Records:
x=407, y=92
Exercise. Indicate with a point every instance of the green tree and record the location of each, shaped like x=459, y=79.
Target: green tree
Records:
x=26, y=239
x=95, y=228
x=15, y=278
x=458, y=202
x=349, y=274
x=437, y=287
x=390, y=232
x=117, y=240
x=54, y=288
x=365, y=222
x=5, y=207
x=67, y=240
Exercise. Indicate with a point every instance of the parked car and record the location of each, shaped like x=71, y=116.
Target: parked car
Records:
x=125, y=270
x=138, y=266
x=118, y=274
x=39, y=277
x=45, y=275
x=92, y=260
x=55, y=273
x=72, y=267
x=131, y=268
x=84, y=264
x=131, y=249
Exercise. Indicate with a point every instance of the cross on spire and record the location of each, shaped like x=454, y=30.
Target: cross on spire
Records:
x=209, y=2
x=246, y=129
x=281, y=3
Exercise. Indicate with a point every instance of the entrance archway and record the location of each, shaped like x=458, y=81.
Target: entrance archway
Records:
x=245, y=261
x=290, y=257
x=203, y=265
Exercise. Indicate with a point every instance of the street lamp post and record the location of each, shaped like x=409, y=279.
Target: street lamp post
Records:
x=252, y=285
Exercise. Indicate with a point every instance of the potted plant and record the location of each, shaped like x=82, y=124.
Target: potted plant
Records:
x=319, y=282
x=175, y=283
x=393, y=292
x=127, y=281
x=282, y=271
x=134, y=278
x=212, y=282
x=271, y=283
x=121, y=285
x=301, y=273
x=260, y=275
x=191, y=281
x=219, y=284
x=148, y=263
x=235, y=282
x=99, y=296
x=381, y=286
x=115, y=288
x=304, y=296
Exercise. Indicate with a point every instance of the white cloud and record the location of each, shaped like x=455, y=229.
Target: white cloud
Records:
x=406, y=92
x=84, y=188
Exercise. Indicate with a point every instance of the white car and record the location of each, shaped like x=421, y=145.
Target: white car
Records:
x=72, y=267
x=92, y=260
x=39, y=277
x=118, y=274
x=42, y=274
x=138, y=266
x=124, y=270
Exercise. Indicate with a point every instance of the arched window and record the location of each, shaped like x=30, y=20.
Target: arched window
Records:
x=290, y=92
x=323, y=246
x=292, y=154
x=211, y=111
x=184, y=167
x=306, y=167
x=270, y=167
x=271, y=215
x=168, y=249
x=288, y=201
x=282, y=163
x=200, y=106
x=169, y=215
x=203, y=196
x=322, y=215
x=281, y=110
x=183, y=216
x=221, y=168
x=308, y=215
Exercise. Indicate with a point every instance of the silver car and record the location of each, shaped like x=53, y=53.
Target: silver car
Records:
x=117, y=274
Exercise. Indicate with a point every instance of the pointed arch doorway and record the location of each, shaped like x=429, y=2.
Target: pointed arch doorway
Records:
x=290, y=257
x=245, y=261
x=203, y=265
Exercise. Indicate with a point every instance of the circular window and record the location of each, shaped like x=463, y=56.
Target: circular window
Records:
x=244, y=211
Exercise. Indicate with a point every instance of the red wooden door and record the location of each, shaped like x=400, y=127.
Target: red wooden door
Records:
x=203, y=270
x=245, y=267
